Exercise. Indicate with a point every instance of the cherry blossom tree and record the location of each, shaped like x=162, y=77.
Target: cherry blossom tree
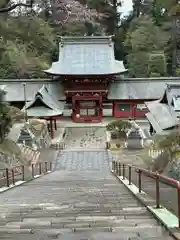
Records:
x=66, y=11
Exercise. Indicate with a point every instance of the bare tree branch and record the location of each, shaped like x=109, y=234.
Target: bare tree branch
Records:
x=14, y=6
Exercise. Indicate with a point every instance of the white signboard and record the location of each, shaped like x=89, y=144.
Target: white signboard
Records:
x=141, y=107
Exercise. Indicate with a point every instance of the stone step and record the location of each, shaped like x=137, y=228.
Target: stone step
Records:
x=78, y=236
x=88, y=204
x=141, y=230
x=90, y=223
x=40, y=214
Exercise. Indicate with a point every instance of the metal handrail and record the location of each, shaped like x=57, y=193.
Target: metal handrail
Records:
x=8, y=175
x=120, y=170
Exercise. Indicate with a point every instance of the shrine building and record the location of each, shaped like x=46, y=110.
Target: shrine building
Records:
x=86, y=84
x=164, y=113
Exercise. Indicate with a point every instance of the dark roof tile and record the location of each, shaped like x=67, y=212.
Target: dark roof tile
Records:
x=15, y=90
x=160, y=116
x=137, y=89
x=86, y=56
x=44, y=104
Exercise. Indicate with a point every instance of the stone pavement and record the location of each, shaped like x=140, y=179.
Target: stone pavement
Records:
x=80, y=200
x=85, y=138
x=67, y=122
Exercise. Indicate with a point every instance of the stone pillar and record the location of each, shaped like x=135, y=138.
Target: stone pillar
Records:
x=135, y=139
x=51, y=128
x=55, y=125
x=100, y=109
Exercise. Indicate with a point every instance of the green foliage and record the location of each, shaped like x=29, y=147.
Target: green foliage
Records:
x=118, y=125
x=177, y=71
x=5, y=121
x=80, y=29
x=157, y=65
x=24, y=54
x=175, y=10
x=169, y=143
x=155, y=18
x=143, y=41
x=118, y=129
x=28, y=42
x=108, y=14
x=137, y=64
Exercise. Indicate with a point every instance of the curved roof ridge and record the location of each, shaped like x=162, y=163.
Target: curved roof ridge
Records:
x=92, y=39
x=86, y=56
x=42, y=95
x=42, y=90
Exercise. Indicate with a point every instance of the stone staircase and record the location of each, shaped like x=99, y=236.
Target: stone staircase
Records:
x=81, y=222
x=82, y=203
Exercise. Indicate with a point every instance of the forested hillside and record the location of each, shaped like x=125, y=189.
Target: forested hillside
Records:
x=146, y=40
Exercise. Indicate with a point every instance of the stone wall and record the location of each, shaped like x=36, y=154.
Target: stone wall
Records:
x=41, y=133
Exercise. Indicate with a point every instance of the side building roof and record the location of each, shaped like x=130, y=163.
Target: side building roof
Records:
x=172, y=97
x=120, y=89
x=163, y=113
x=126, y=89
x=15, y=89
x=92, y=55
x=43, y=104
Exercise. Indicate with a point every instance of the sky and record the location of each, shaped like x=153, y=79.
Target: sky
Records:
x=127, y=6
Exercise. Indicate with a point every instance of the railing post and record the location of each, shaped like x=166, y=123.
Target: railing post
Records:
x=50, y=166
x=12, y=172
x=113, y=165
x=139, y=180
x=157, y=192
x=123, y=171
x=46, y=167
x=7, y=177
x=119, y=169
x=178, y=194
x=116, y=167
x=40, y=169
x=23, y=177
x=130, y=178
x=32, y=170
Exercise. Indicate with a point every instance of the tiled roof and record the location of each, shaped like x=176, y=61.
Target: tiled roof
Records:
x=172, y=90
x=57, y=90
x=44, y=104
x=86, y=56
x=156, y=125
x=138, y=89
x=45, y=112
x=160, y=116
x=171, y=97
x=15, y=90
x=120, y=89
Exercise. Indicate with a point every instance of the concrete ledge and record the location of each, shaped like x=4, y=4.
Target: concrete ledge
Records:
x=165, y=217
x=19, y=183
